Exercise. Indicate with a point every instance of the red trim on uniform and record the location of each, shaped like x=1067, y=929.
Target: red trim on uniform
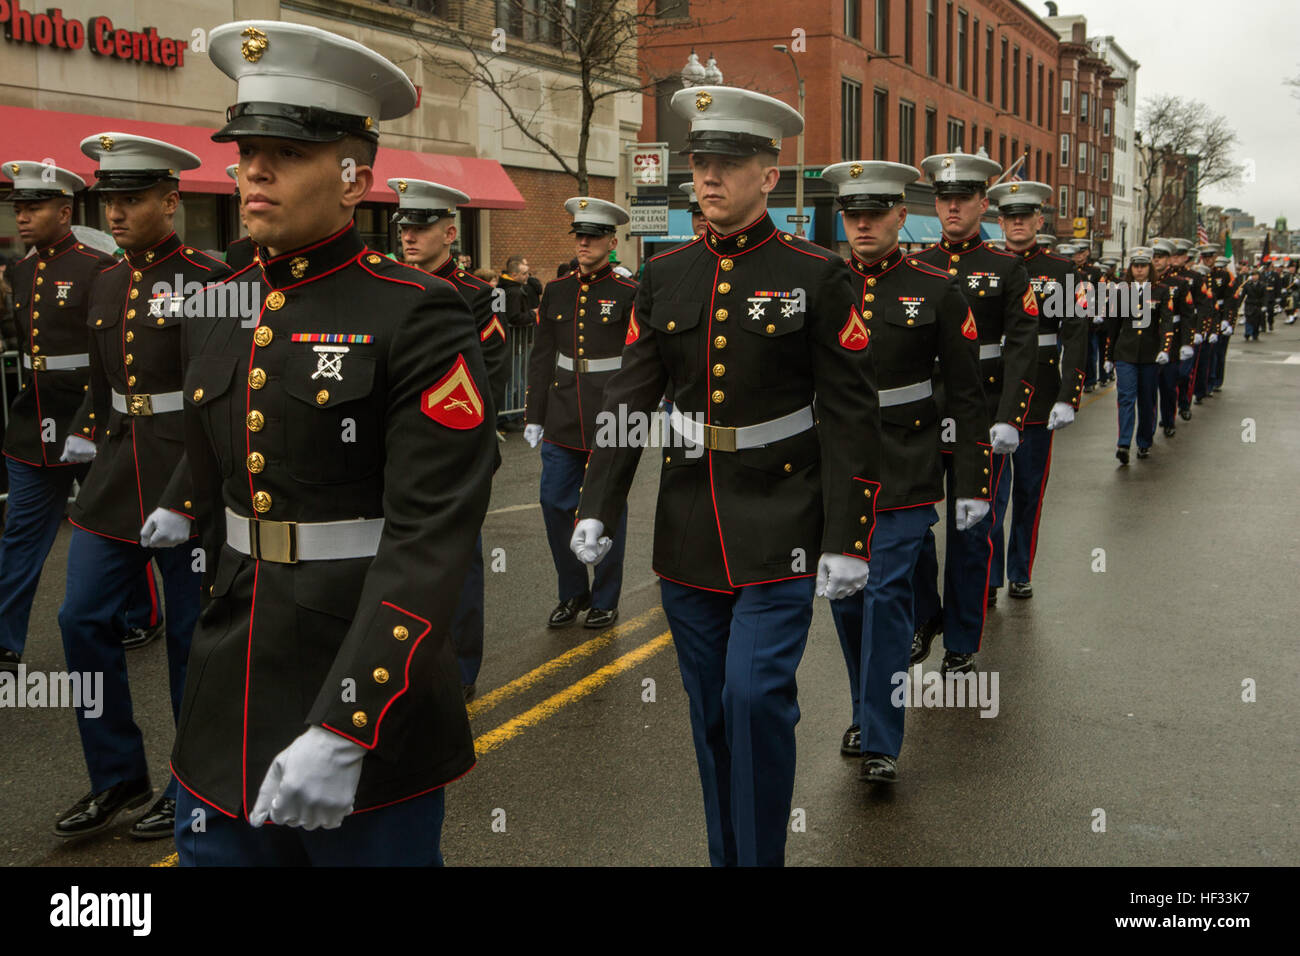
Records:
x=37, y=464
x=314, y=245
x=875, y=496
x=675, y=249
x=807, y=252
x=152, y=586
x=198, y=796
x=135, y=460
x=494, y=325
x=111, y=537
x=563, y=445
x=698, y=587
x=390, y=803
x=248, y=675
x=344, y=265
x=577, y=376
x=988, y=568
x=919, y=504
x=1038, y=512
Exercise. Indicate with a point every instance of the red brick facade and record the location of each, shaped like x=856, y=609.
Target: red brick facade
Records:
x=1091, y=88
x=541, y=231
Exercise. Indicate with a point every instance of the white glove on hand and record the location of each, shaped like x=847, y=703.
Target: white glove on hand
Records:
x=77, y=450
x=311, y=783
x=1185, y=352
x=1108, y=367
x=1005, y=439
x=970, y=512
x=532, y=435
x=1225, y=327
x=164, y=529
x=1214, y=337
x=1162, y=358
x=1198, y=338
x=1061, y=415
x=587, y=543
x=1099, y=320
x=839, y=576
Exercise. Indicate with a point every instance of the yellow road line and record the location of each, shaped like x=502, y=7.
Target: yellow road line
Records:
x=170, y=860
x=486, y=743
x=1106, y=391
x=538, y=674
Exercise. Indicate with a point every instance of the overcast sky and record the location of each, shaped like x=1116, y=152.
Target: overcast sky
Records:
x=1232, y=57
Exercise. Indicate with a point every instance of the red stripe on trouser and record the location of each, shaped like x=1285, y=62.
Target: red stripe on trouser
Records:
x=153, y=594
x=988, y=567
x=1038, y=513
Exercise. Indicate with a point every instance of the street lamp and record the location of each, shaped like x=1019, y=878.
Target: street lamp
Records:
x=1123, y=240
x=798, y=183
x=693, y=73
x=1092, y=210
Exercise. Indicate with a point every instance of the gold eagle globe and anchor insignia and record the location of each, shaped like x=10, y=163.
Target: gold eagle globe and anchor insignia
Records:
x=703, y=101
x=401, y=185
x=855, y=170
x=254, y=45
x=582, y=204
x=106, y=143
x=15, y=167
x=298, y=266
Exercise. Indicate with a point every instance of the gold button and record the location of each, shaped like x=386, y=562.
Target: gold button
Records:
x=40, y=280
x=130, y=313
x=917, y=423
x=1022, y=404
x=857, y=545
x=726, y=265
x=718, y=396
x=671, y=325
x=35, y=349
x=911, y=321
x=262, y=502
x=720, y=315
x=137, y=276
x=582, y=312
x=38, y=332
x=668, y=459
x=984, y=491
x=101, y=322
x=993, y=378
x=198, y=394
x=373, y=260
x=956, y=258
x=275, y=301
x=401, y=633
x=788, y=467
x=981, y=291
x=986, y=471
x=36, y=297
x=189, y=252
x=582, y=338
x=741, y=240
x=580, y=351
x=787, y=237
x=380, y=675
x=952, y=272
x=256, y=378
x=870, y=297
x=322, y=396
x=582, y=325
x=130, y=380
x=130, y=336
x=162, y=321
x=986, y=452
x=867, y=492
x=871, y=280
x=135, y=293
x=256, y=462
x=263, y=335
x=584, y=287
x=36, y=315
x=770, y=328
x=255, y=420
x=724, y=287
x=129, y=358
x=359, y=718
x=40, y=265
x=720, y=342
x=719, y=370
x=582, y=298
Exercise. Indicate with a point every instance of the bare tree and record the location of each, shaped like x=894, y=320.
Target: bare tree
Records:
x=1183, y=141
x=594, y=41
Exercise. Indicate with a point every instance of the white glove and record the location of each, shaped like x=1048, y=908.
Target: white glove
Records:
x=532, y=435
x=1108, y=367
x=1198, y=338
x=311, y=783
x=1061, y=415
x=1214, y=337
x=840, y=575
x=78, y=450
x=164, y=529
x=1005, y=439
x=1225, y=327
x=1162, y=358
x=970, y=512
x=1185, y=352
x=588, y=543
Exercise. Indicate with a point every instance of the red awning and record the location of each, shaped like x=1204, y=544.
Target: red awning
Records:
x=29, y=134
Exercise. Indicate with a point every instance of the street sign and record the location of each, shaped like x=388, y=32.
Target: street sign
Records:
x=812, y=174
x=649, y=216
x=1080, y=227
x=798, y=218
x=649, y=164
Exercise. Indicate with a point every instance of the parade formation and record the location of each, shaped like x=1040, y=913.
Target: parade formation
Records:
x=310, y=475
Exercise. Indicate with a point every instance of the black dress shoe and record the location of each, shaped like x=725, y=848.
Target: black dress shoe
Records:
x=879, y=768
x=9, y=661
x=1122, y=454
x=140, y=636
x=600, y=617
x=566, y=612
x=1022, y=589
x=1185, y=414
x=95, y=811
x=159, y=822
x=924, y=637
x=1144, y=453
x=1170, y=431
x=470, y=690
x=851, y=744
x=992, y=599
x=957, y=664
x=1196, y=400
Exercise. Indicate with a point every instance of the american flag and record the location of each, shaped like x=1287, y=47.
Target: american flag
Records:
x=1202, y=237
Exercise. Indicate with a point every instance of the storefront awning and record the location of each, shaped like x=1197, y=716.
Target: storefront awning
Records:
x=38, y=134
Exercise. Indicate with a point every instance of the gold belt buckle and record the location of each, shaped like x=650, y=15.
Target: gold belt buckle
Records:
x=38, y=363
x=139, y=405
x=273, y=541
x=581, y=365
x=719, y=438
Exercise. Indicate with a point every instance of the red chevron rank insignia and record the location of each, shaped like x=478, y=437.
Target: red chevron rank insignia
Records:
x=454, y=401
x=968, y=327
x=854, y=336
x=1030, y=303
x=492, y=327
x=633, y=331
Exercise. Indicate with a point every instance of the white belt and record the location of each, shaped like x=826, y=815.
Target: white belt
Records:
x=156, y=404
x=589, y=365
x=724, y=438
x=288, y=542
x=57, y=363
x=990, y=351
x=1047, y=338
x=905, y=394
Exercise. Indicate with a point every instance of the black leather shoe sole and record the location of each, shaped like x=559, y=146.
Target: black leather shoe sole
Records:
x=600, y=617
x=137, y=637
x=567, y=612
x=1144, y=453
x=105, y=821
x=1185, y=414
x=1021, y=590
x=877, y=768
x=1122, y=455
x=470, y=690
x=158, y=823
x=1170, y=431
x=9, y=661
x=957, y=664
x=992, y=599
x=851, y=742
x=923, y=638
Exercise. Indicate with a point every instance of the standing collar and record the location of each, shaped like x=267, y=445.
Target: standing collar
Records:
x=963, y=245
x=742, y=240
x=596, y=276
x=58, y=247
x=314, y=260
x=447, y=269
x=877, y=266
x=155, y=254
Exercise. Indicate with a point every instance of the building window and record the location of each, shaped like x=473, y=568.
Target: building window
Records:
x=961, y=49
x=1065, y=149
x=1104, y=211
x=1004, y=73
x=535, y=22
x=1038, y=165
x=666, y=9
x=988, y=142
x=1047, y=168
x=1015, y=81
x=947, y=47
x=931, y=38
x=1081, y=203
x=1092, y=159
x=956, y=134
x=1040, y=94
x=1029, y=88
x=1051, y=84
x=1083, y=107
x=1105, y=121
x=1082, y=167
x=906, y=132
x=1002, y=151
x=1063, y=203
x=1066, y=93
x=907, y=31
x=988, y=64
x=853, y=19
x=931, y=131
x=881, y=124
x=882, y=25
x=850, y=119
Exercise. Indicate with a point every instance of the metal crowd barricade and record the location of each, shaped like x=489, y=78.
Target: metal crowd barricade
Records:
x=519, y=340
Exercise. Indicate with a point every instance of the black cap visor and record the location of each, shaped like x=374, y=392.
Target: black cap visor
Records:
x=964, y=187
x=866, y=202
x=421, y=217
x=723, y=143
x=131, y=180
x=307, y=124
x=1018, y=209
x=36, y=195
x=591, y=229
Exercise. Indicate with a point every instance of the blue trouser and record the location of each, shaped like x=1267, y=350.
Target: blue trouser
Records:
x=876, y=625
x=1254, y=323
x=1137, y=392
x=562, y=471
x=37, y=499
x=467, y=619
x=100, y=573
x=1092, y=365
x=1167, y=386
x=738, y=653
x=403, y=834
x=1186, y=369
x=1219, y=362
x=1030, y=466
x=1204, y=365
x=968, y=558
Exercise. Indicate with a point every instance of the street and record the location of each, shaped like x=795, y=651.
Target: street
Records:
x=1164, y=592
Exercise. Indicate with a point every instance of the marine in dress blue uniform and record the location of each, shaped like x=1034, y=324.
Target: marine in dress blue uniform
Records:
x=1132, y=349
x=243, y=250
x=1176, y=333
x=778, y=461
x=917, y=316
x=1058, y=384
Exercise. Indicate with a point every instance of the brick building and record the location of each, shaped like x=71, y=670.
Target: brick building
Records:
x=884, y=79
